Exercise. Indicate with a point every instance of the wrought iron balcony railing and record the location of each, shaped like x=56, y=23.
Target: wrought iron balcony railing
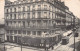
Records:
x=60, y=14
x=30, y=27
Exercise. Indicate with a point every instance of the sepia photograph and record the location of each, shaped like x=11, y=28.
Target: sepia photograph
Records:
x=39, y=25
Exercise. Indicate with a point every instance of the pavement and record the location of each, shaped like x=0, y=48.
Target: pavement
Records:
x=70, y=45
x=58, y=47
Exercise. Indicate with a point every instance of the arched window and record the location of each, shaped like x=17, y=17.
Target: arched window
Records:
x=14, y=9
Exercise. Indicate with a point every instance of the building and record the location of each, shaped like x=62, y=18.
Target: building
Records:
x=70, y=18
x=77, y=21
x=35, y=17
x=2, y=33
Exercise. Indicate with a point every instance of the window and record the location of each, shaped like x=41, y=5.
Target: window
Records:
x=23, y=24
x=14, y=23
x=10, y=16
x=14, y=16
x=23, y=8
x=44, y=23
x=49, y=14
x=54, y=9
x=24, y=15
x=39, y=14
x=28, y=14
x=34, y=32
x=53, y=15
x=19, y=16
x=7, y=11
x=33, y=7
x=8, y=31
x=19, y=31
x=28, y=24
x=28, y=8
x=49, y=7
x=24, y=31
x=10, y=9
x=14, y=9
x=39, y=7
x=45, y=14
x=34, y=24
x=45, y=7
x=10, y=23
x=19, y=23
x=28, y=32
x=7, y=23
x=33, y=16
x=11, y=31
x=19, y=8
x=15, y=31
x=39, y=33
x=7, y=16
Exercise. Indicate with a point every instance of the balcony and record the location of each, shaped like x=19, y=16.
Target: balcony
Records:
x=60, y=26
x=40, y=9
x=61, y=14
x=57, y=19
x=30, y=28
x=64, y=20
x=40, y=18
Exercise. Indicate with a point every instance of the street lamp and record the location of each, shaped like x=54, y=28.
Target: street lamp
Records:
x=4, y=42
x=21, y=38
x=74, y=38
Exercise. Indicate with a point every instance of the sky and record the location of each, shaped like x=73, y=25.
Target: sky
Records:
x=74, y=6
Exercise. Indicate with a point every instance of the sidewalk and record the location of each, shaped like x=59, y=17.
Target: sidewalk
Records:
x=59, y=44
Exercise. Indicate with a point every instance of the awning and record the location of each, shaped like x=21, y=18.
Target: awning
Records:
x=66, y=33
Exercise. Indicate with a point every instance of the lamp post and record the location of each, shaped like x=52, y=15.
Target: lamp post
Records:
x=21, y=40
x=74, y=31
x=4, y=42
x=21, y=43
x=74, y=38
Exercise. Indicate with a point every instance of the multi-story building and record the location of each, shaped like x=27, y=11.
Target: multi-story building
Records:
x=35, y=17
x=70, y=18
x=2, y=33
x=76, y=20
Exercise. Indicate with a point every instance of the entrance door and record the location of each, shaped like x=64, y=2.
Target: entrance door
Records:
x=15, y=39
x=8, y=38
x=11, y=38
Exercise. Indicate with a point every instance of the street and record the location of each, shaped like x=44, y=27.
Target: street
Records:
x=70, y=45
x=59, y=47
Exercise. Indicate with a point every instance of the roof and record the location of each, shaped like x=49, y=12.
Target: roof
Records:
x=66, y=33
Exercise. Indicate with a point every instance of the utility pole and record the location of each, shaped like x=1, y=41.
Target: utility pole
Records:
x=4, y=42
x=21, y=39
x=74, y=32
x=4, y=35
